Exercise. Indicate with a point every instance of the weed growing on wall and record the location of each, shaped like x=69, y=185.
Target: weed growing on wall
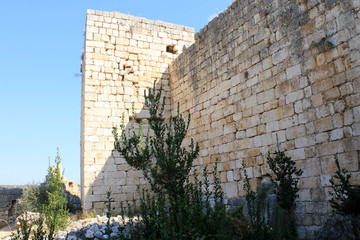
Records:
x=346, y=197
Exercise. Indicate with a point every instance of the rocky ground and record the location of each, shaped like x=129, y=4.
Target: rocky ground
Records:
x=98, y=228
x=90, y=229
x=6, y=231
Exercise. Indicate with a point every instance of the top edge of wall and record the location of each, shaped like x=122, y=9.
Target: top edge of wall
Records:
x=124, y=16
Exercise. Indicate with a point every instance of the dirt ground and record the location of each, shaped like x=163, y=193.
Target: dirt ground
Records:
x=6, y=231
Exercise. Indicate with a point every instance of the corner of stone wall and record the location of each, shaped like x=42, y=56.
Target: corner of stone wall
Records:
x=123, y=56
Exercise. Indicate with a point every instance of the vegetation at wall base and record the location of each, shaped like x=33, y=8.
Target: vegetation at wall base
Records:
x=345, y=197
x=284, y=170
x=33, y=196
x=50, y=201
x=286, y=189
x=55, y=208
x=258, y=222
x=175, y=208
x=165, y=164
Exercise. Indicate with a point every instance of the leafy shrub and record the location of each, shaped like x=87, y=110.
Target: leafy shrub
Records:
x=284, y=170
x=33, y=196
x=175, y=208
x=54, y=209
x=258, y=226
x=49, y=200
x=27, y=230
x=165, y=164
x=286, y=186
x=346, y=197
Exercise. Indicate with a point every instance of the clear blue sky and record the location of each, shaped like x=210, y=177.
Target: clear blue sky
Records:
x=40, y=48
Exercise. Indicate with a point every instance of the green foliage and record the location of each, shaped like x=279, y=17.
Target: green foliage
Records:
x=200, y=214
x=22, y=233
x=39, y=232
x=87, y=214
x=346, y=197
x=33, y=196
x=175, y=208
x=109, y=210
x=54, y=209
x=284, y=170
x=49, y=199
x=165, y=164
x=258, y=226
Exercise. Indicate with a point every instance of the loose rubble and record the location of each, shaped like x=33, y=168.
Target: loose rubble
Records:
x=29, y=217
x=94, y=228
x=98, y=228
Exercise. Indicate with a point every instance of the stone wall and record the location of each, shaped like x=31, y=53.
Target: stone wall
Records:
x=263, y=74
x=8, y=201
x=123, y=55
x=270, y=72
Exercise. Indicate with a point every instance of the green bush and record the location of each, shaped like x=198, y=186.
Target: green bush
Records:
x=49, y=200
x=258, y=226
x=346, y=197
x=286, y=186
x=55, y=206
x=284, y=170
x=33, y=196
x=165, y=164
x=175, y=208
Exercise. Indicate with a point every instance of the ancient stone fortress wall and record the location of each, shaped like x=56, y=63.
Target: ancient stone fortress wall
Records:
x=264, y=73
x=123, y=55
x=8, y=203
x=269, y=72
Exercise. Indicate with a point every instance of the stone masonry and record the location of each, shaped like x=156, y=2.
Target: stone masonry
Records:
x=123, y=56
x=8, y=203
x=263, y=74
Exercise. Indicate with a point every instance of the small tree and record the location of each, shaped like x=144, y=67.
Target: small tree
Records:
x=178, y=208
x=49, y=199
x=54, y=209
x=258, y=223
x=346, y=197
x=161, y=157
x=284, y=171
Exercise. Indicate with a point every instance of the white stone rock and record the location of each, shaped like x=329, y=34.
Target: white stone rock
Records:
x=280, y=56
x=336, y=134
x=91, y=231
x=293, y=71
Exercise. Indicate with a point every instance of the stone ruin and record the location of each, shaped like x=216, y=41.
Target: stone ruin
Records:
x=264, y=73
x=8, y=202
